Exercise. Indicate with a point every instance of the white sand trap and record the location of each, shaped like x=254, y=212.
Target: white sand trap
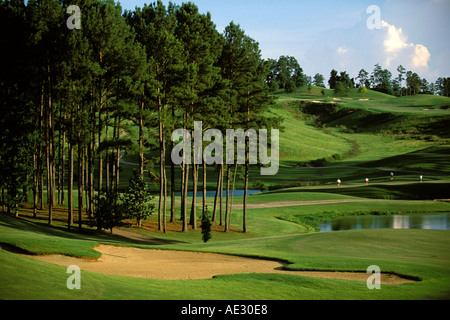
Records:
x=183, y=265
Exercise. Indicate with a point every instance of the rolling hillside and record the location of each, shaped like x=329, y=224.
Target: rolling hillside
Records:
x=318, y=126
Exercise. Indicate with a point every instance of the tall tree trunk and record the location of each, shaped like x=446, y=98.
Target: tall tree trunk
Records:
x=100, y=153
x=193, y=217
x=232, y=192
x=70, y=188
x=165, y=186
x=185, y=190
x=247, y=160
x=216, y=196
x=35, y=185
x=63, y=167
x=90, y=175
x=204, y=188
x=161, y=173
x=80, y=185
x=244, y=216
x=50, y=157
x=117, y=165
x=227, y=209
x=172, y=178
x=182, y=208
x=222, y=169
x=141, y=138
x=41, y=152
x=107, y=154
x=172, y=188
x=59, y=160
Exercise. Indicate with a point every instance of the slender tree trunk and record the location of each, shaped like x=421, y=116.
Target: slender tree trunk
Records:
x=117, y=165
x=161, y=176
x=90, y=176
x=41, y=152
x=100, y=137
x=227, y=209
x=141, y=138
x=172, y=178
x=185, y=187
x=193, y=217
x=63, y=166
x=107, y=154
x=165, y=187
x=182, y=167
x=80, y=185
x=216, y=196
x=204, y=188
x=222, y=169
x=244, y=216
x=100, y=153
x=186, y=183
x=59, y=161
x=41, y=186
x=172, y=188
x=50, y=150
x=70, y=188
x=232, y=193
x=86, y=179
x=35, y=185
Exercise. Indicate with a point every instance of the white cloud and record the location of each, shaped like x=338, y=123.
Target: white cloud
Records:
x=342, y=50
x=395, y=40
x=397, y=47
x=421, y=57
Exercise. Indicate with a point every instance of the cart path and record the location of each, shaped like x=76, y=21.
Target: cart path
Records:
x=300, y=203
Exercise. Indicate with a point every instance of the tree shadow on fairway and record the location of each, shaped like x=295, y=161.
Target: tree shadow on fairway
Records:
x=432, y=161
x=120, y=236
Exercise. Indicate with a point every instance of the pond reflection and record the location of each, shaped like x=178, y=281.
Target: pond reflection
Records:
x=416, y=221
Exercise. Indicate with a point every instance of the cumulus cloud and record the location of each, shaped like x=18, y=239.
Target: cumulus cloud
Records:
x=342, y=50
x=396, y=46
x=421, y=56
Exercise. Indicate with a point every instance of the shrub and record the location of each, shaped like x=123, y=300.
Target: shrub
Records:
x=259, y=185
x=206, y=227
x=136, y=201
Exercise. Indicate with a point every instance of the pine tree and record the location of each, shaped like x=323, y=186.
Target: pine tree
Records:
x=136, y=201
x=154, y=26
x=246, y=71
x=16, y=142
x=201, y=43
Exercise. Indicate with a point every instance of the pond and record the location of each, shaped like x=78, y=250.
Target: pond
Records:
x=416, y=221
x=237, y=193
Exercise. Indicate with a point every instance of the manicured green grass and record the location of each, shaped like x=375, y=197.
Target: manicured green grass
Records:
x=416, y=253
x=301, y=142
x=424, y=104
x=370, y=135
x=41, y=281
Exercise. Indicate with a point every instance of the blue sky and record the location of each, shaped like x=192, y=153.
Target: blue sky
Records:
x=326, y=34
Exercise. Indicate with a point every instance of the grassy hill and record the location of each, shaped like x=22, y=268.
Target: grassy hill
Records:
x=324, y=138
x=320, y=126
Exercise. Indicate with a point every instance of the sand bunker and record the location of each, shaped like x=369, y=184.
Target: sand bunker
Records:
x=181, y=265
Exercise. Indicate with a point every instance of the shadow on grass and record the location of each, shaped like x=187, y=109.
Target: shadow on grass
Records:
x=124, y=238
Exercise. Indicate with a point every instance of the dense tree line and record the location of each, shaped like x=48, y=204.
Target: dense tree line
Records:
x=285, y=73
x=382, y=80
x=71, y=99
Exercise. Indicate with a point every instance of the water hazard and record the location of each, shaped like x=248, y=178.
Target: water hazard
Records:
x=416, y=221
